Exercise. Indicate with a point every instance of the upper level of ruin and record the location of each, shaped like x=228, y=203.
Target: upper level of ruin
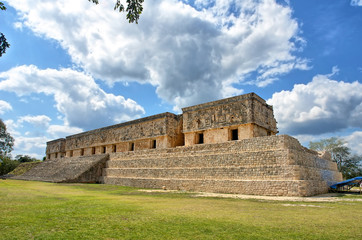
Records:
x=241, y=117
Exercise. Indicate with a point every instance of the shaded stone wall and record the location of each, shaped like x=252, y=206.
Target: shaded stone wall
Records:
x=158, y=131
x=55, y=149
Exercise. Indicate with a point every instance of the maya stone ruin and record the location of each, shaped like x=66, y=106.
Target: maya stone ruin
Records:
x=225, y=146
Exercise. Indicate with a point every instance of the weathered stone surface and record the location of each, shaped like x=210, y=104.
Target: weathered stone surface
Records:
x=275, y=165
x=239, y=117
x=75, y=169
x=227, y=146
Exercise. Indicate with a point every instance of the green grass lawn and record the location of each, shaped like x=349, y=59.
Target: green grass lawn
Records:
x=37, y=210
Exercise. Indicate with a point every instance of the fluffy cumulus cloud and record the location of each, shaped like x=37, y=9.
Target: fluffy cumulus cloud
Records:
x=58, y=131
x=32, y=146
x=323, y=105
x=356, y=3
x=30, y=143
x=40, y=121
x=190, y=53
x=4, y=107
x=80, y=100
x=354, y=141
x=33, y=141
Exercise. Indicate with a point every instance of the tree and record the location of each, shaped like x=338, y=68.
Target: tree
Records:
x=352, y=167
x=7, y=165
x=6, y=140
x=25, y=158
x=349, y=165
x=3, y=42
x=134, y=9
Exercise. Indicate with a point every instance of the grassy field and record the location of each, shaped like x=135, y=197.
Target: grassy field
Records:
x=37, y=210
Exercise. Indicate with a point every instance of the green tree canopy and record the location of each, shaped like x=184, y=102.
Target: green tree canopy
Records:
x=3, y=42
x=349, y=165
x=25, y=158
x=6, y=140
x=134, y=9
x=7, y=165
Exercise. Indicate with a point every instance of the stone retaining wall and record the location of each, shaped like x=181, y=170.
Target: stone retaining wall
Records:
x=274, y=165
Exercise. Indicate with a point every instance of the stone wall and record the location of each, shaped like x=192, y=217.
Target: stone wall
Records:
x=241, y=117
x=276, y=165
x=247, y=108
x=215, y=121
x=56, y=148
x=158, y=131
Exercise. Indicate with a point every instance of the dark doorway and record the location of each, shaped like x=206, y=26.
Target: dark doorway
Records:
x=201, y=138
x=234, y=134
x=131, y=147
x=154, y=144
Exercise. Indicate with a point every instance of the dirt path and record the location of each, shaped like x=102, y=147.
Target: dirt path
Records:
x=329, y=197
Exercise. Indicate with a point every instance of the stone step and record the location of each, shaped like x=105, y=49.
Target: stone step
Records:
x=226, y=159
x=250, y=187
x=76, y=169
x=251, y=172
x=245, y=145
x=279, y=157
x=287, y=172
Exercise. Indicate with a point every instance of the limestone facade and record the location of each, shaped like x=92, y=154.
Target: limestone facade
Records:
x=227, y=146
x=241, y=117
x=274, y=165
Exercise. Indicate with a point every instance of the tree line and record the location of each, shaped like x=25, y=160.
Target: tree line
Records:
x=7, y=163
x=350, y=165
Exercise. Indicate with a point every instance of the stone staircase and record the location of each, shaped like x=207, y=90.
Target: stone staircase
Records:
x=86, y=169
x=276, y=165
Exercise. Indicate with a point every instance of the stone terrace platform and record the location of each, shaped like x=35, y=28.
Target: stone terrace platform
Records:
x=275, y=165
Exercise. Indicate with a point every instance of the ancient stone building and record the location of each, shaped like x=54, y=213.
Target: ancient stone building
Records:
x=235, y=118
x=226, y=146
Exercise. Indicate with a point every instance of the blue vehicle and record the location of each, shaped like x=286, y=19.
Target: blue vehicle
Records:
x=346, y=185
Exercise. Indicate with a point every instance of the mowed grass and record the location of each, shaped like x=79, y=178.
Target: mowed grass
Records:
x=38, y=210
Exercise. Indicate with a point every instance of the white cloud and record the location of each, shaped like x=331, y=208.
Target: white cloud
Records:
x=352, y=138
x=61, y=131
x=33, y=141
x=323, y=105
x=18, y=25
x=77, y=96
x=40, y=121
x=26, y=144
x=356, y=3
x=4, y=106
x=354, y=142
x=11, y=127
x=32, y=146
x=190, y=55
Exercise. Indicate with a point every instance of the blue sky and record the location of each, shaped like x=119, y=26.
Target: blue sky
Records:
x=75, y=66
